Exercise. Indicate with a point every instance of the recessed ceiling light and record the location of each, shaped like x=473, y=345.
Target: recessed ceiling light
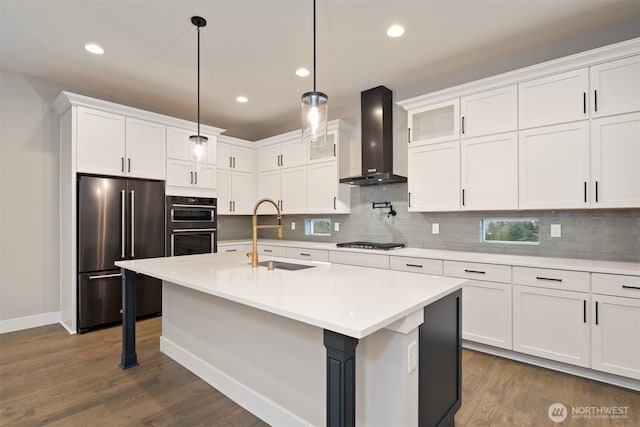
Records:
x=395, y=31
x=242, y=99
x=94, y=48
x=302, y=72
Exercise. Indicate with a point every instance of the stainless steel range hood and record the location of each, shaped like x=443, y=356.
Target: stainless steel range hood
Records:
x=377, y=139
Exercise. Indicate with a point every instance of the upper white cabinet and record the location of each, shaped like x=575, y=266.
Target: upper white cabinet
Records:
x=179, y=147
x=615, y=87
x=615, y=161
x=112, y=144
x=236, y=176
x=489, y=172
x=235, y=157
x=554, y=166
x=324, y=193
x=283, y=151
x=434, y=123
x=434, y=177
x=554, y=99
x=489, y=112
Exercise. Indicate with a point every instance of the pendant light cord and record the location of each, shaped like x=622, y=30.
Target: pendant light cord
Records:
x=199, y=80
x=314, y=45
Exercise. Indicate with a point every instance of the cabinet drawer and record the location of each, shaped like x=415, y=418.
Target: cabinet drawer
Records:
x=360, y=259
x=234, y=248
x=478, y=271
x=615, y=284
x=272, y=250
x=553, y=279
x=310, y=254
x=416, y=265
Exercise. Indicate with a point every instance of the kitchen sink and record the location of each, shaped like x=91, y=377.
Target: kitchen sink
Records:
x=285, y=265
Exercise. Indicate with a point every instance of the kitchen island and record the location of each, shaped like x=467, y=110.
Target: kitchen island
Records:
x=284, y=343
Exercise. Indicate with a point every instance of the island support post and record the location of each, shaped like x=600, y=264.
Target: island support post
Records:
x=341, y=379
x=129, y=358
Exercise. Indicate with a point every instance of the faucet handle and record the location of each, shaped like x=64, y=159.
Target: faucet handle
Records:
x=249, y=254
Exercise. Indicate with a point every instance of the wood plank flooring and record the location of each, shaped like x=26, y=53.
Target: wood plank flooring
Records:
x=48, y=377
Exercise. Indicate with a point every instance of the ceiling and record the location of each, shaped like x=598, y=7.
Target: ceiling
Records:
x=253, y=47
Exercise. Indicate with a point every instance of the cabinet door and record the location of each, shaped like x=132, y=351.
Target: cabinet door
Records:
x=489, y=112
x=294, y=190
x=225, y=204
x=225, y=156
x=616, y=335
x=179, y=173
x=616, y=87
x=615, y=161
x=269, y=187
x=486, y=313
x=554, y=99
x=489, y=172
x=327, y=151
x=244, y=159
x=434, y=177
x=268, y=158
x=322, y=188
x=551, y=324
x=435, y=123
x=101, y=142
x=204, y=176
x=294, y=153
x=554, y=166
x=146, y=149
x=178, y=143
x=243, y=190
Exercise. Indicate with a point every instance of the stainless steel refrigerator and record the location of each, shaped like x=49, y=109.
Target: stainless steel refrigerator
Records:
x=118, y=219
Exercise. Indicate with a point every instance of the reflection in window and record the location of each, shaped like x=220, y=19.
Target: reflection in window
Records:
x=317, y=227
x=523, y=231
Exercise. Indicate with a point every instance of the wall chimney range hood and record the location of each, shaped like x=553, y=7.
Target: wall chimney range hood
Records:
x=377, y=139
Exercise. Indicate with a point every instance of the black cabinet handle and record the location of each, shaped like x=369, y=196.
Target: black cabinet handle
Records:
x=409, y=136
x=281, y=159
x=596, y=191
x=584, y=311
x=585, y=191
x=129, y=165
x=463, y=197
x=550, y=279
x=475, y=271
x=414, y=265
x=191, y=182
x=122, y=163
x=334, y=202
x=230, y=163
x=463, y=125
x=409, y=199
x=584, y=102
x=195, y=174
x=267, y=250
x=231, y=250
x=334, y=150
x=304, y=254
x=234, y=162
x=630, y=287
x=596, y=312
x=595, y=99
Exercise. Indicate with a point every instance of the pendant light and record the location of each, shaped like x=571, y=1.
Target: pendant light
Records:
x=198, y=142
x=314, y=106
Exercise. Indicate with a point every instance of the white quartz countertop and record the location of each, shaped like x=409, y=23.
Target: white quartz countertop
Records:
x=589, y=265
x=353, y=301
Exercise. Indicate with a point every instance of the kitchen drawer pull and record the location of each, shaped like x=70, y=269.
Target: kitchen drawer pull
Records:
x=475, y=271
x=303, y=254
x=630, y=287
x=551, y=279
x=267, y=250
x=105, y=276
x=413, y=265
x=231, y=250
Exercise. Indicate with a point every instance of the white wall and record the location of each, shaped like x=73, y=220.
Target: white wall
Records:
x=29, y=198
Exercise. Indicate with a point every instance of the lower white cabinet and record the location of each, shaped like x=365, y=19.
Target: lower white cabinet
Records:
x=486, y=313
x=308, y=254
x=434, y=177
x=241, y=248
x=552, y=324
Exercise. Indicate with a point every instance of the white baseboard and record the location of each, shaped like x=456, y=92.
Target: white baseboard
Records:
x=579, y=371
x=27, y=322
x=249, y=399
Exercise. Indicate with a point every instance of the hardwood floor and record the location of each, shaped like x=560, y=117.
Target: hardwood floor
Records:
x=48, y=377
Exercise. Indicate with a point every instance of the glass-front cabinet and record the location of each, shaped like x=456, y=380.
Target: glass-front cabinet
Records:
x=435, y=123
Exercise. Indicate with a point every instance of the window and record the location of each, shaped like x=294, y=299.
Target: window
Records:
x=522, y=231
x=317, y=227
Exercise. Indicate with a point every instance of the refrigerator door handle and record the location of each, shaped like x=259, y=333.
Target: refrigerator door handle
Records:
x=133, y=222
x=105, y=276
x=122, y=196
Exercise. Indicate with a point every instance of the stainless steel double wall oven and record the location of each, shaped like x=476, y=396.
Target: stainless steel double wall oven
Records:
x=191, y=225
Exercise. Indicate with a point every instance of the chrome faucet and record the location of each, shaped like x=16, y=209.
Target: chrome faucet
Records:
x=254, y=254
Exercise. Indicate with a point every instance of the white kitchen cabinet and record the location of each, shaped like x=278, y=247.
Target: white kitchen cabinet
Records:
x=434, y=177
x=416, y=265
x=269, y=187
x=268, y=158
x=615, y=87
x=615, y=327
x=489, y=112
x=615, y=161
x=434, y=123
x=554, y=166
x=236, y=192
x=236, y=158
x=486, y=313
x=100, y=142
x=183, y=174
x=489, y=172
x=308, y=254
x=231, y=248
x=324, y=192
x=327, y=151
x=294, y=190
x=554, y=99
x=552, y=324
x=179, y=147
x=145, y=149
x=283, y=151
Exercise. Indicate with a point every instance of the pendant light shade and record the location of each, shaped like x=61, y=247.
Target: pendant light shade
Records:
x=314, y=106
x=198, y=142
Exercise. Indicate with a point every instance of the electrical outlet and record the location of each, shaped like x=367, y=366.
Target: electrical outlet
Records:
x=293, y=225
x=336, y=226
x=435, y=228
x=412, y=354
x=556, y=230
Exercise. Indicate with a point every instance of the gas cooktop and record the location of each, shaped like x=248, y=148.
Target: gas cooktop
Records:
x=371, y=245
